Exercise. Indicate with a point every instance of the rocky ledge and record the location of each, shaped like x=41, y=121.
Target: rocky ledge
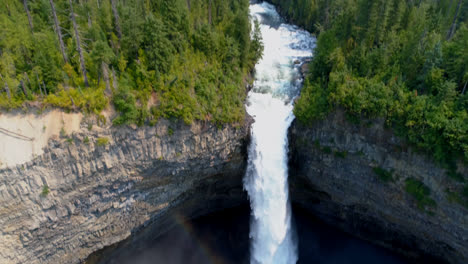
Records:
x=356, y=177
x=96, y=188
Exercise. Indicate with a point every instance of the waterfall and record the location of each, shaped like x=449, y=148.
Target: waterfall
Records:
x=277, y=82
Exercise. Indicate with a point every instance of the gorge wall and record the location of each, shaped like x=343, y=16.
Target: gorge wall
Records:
x=333, y=175
x=108, y=183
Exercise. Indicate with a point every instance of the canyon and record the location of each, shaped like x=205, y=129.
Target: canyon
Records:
x=74, y=188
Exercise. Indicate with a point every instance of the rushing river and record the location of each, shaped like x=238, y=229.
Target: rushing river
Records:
x=277, y=82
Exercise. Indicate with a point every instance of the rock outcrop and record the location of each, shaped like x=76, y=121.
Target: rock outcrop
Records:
x=334, y=173
x=95, y=188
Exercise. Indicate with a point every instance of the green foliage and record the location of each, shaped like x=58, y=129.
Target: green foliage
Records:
x=340, y=154
x=458, y=197
x=420, y=192
x=455, y=175
x=390, y=59
x=102, y=141
x=465, y=192
x=69, y=140
x=125, y=103
x=86, y=140
x=192, y=68
x=327, y=150
x=384, y=175
x=45, y=190
x=63, y=133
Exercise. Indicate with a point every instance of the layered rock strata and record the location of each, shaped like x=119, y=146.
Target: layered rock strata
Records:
x=354, y=176
x=91, y=189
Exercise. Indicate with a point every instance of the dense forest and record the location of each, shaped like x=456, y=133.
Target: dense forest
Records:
x=405, y=61
x=184, y=59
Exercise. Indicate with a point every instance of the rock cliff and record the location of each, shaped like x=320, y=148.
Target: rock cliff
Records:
x=96, y=187
x=355, y=177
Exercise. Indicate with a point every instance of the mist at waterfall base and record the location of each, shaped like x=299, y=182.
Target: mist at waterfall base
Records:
x=223, y=238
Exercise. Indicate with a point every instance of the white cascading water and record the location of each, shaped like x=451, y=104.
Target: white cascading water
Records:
x=277, y=82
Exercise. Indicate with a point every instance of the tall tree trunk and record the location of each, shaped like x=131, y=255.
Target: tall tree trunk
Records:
x=90, y=22
x=45, y=87
x=116, y=18
x=327, y=15
x=188, y=4
x=39, y=84
x=115, y=84
x=8, y=9
x=25, y=3
x=464, y=87
x=7, y=89
x=78, y=44
x=58, y=31
x=105, y=77
x=25, y=91
x=26, y=78
x=209, y=12
x=454, y=23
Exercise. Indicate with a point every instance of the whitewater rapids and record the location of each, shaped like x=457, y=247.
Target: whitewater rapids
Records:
x=270, y=103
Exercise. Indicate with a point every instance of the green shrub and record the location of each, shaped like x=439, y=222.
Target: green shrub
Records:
x=465, y=192
x=384, y=175
x=102, y=141
x=45, y=190
x=125, y=104
x=327, y=150
x=341, y=154
x=69, y=140
x=420, y=192
x=63, y=133
x=86, y=140
x=317, y=143
x=455, y=175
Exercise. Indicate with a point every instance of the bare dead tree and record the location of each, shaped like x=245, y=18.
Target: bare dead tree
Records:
x=451, y=31
x=78, y=45
x=464, y=87
x=7, y=89
x=58, y=31
x=8, y=9
x=115, y=84
x=105, y=77
x=209, y=12
x=26, y=78
x=90, y=22
x=25, y=3
x=45, y=87
x=115, y=12
x=39, y=84
x=25, y=91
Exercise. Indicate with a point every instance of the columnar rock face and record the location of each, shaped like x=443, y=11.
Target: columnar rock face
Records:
x=106, y=184
x=333, y=174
